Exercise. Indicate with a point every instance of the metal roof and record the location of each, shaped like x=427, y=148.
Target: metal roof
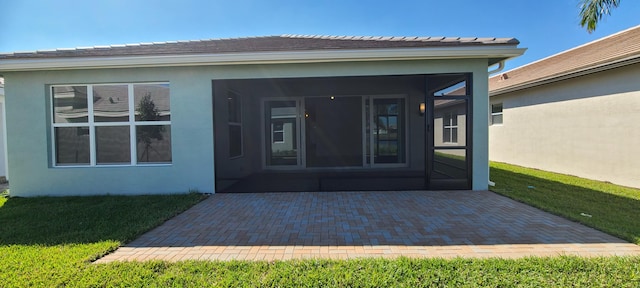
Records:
x=264, y=50
x=260, y=44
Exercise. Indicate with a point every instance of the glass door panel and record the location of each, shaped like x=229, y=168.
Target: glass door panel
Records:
x=388, y=131
x=281, y=133
x=449, y=123
x=449, y=164
x=448, y=145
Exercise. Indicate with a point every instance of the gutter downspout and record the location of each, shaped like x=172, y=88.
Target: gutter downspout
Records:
x=500, y=68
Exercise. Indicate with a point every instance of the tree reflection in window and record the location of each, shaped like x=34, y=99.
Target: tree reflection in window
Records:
x=146, y=134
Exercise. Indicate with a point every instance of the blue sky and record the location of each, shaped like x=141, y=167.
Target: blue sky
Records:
x=545, y=27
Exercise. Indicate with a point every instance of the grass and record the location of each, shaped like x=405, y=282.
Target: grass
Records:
x=50, y=242
x=47, y=241
x=604, y=206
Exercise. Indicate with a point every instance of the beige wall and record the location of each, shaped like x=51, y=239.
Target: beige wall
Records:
x=587, y=126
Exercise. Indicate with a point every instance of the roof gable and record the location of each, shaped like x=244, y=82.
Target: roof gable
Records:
x=616, y=50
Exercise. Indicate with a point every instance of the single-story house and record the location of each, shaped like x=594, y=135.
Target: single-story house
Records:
x=576, y=112
x=276, y=113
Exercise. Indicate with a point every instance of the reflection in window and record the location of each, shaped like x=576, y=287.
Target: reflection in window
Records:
x=278, y=132
x=110, y=103
x=450, y=128
x=156, y=148
x=496, y=114
x=156, y=94
x=388, y=130
x=449, y=85
x=282, y=126
x=449, y=161
x=449, y=122
x=108, y=138
x=449, y=164
x=70, y=104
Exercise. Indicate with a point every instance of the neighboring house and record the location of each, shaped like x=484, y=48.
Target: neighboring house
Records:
x=576, y=112
x=4, y=172
x=278, y=113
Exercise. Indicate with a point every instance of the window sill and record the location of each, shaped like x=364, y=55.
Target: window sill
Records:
x=114, y=165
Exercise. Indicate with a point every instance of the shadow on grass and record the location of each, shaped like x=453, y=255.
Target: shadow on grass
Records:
x=75, y=220
x=596, y=204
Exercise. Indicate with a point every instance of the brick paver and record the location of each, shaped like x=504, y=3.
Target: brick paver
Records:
x=276, y=226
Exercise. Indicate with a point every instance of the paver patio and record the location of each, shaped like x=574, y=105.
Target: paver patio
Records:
x=275, y=226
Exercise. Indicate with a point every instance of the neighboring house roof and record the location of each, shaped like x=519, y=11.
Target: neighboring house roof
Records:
x=270, y=49
x=620, y=49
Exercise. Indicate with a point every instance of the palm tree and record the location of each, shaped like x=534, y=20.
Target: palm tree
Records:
x=592, y=11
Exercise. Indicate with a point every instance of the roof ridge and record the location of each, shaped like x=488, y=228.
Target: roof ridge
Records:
x=392, y=38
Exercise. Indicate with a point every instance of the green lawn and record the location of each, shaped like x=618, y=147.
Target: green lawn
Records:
x=50, y=242
x=610, y=208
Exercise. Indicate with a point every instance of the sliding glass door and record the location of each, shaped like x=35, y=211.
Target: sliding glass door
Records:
x=335, y=132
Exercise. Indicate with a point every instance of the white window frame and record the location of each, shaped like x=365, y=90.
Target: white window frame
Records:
x=450, y=126
x=281, y=131
x=501, y=113
x=91, y=124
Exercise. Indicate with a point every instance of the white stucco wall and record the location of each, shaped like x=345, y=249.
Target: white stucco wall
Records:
x=29, y=129
x=587, y=127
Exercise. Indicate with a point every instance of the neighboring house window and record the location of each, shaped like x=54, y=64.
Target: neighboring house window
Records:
x=278, y=132
x=450, y=128
x=496, y=114
x=123, y=124
x=235, y=124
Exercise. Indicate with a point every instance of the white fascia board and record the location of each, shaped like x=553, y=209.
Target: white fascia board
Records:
x=282, y=57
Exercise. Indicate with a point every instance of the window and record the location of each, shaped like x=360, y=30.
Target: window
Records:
x=123, y=124
x=388, y=130
x=450, y=128
x=496, y=114
x=234, y=102
x=278, y=132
